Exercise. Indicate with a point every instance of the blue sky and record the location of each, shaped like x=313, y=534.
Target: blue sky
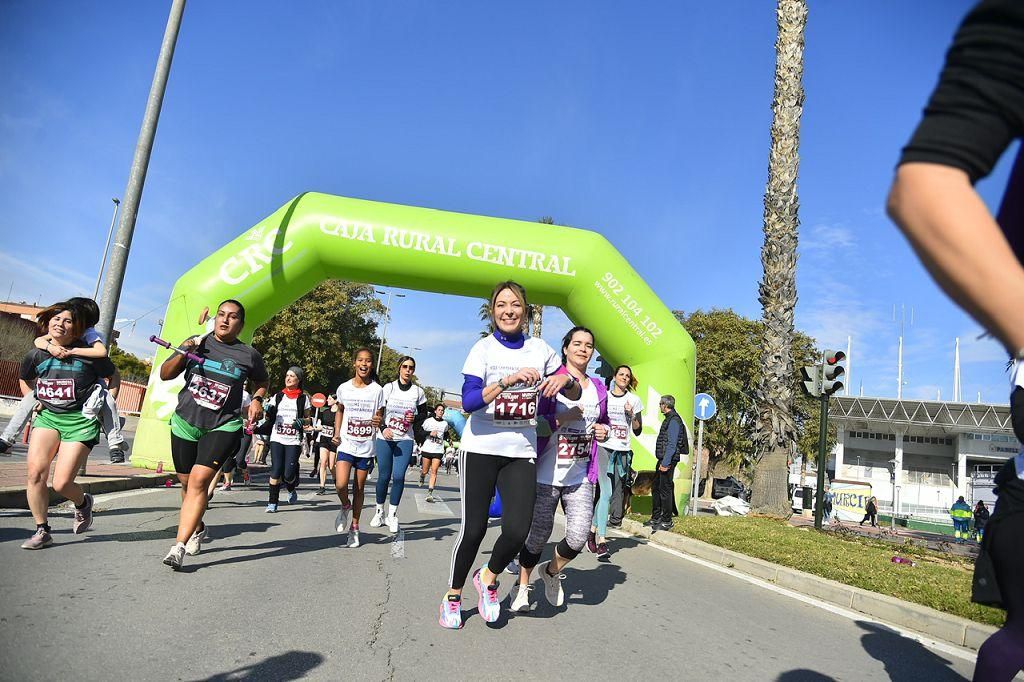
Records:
x=646, y=122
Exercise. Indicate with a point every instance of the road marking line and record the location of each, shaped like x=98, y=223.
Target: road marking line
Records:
x=952, y=650
x=62, y=508
x=437, y=508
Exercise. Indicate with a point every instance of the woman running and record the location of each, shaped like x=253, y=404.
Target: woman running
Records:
x=290, y=410
x=503, y=376
x=359, y=415
x=237, y=460
x=435, y=430
x=405, y=408
x=206, y=426
x=62, y=386
x=567, y=470
x=324, y=427
x=615, y=457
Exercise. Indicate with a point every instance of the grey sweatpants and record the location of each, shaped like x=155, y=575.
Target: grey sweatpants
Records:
x=578, y=505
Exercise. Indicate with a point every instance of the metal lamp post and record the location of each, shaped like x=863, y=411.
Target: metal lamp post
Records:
x=106, y=248
x=387, y=311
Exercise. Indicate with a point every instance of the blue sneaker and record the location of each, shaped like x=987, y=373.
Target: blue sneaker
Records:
x=271, y=508
x=488, y=605
x=293, y=497
x=451, y=612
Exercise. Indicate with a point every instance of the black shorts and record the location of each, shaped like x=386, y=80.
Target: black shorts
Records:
x=326, y=444
x=209, y=451
x=431, y=455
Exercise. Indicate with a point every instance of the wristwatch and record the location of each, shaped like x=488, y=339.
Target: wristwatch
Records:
x=258, y=397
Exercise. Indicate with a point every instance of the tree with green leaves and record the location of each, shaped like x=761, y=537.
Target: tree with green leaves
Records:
x=776, y=437
x=729, y=368
x=320, y=332
x=132, y=368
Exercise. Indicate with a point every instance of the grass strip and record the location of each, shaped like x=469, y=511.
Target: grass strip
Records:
x=939, y=581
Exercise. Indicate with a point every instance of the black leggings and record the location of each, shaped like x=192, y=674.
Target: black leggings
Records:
x=516, y=481
x=284, y=463
x=238, y=461
x=1002, y=655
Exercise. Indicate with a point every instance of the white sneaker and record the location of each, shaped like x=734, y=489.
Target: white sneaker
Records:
x=353, y=538
x=552, y=585
x=195, y=542
x=392, y=522
x=343, y=520
x=378, y=518
x=521, y=601
x=176, y=556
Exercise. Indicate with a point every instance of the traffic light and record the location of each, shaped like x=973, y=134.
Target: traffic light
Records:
x=833, y=372
x=811, y=380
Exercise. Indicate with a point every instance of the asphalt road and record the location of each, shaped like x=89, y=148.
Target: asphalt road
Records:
x=279, y=597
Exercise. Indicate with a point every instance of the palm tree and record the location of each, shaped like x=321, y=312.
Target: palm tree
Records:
x=537, y=311
x=484, y=313
x=775, y=430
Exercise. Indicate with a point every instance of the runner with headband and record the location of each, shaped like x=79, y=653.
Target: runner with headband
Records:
x=567, y=469
x=405, y=408
x=359, y=415
x=504, y=375
x=435, y=430
x=206, y=426
x=61, y=429
x=615, y=457
x=288, y=411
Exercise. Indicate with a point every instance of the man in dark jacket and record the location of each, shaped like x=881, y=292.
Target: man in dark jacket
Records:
x=672, y=442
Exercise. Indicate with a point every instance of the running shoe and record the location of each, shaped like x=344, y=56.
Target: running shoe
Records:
x=245, y=477
x=552, y=585
x=117, y=454
x=488, y=605
x=421, y=480
x=430, y=496
x=521, y=601
x=83, y=517
x=343, y=519
x=195, y=542
x=176, y=556
x=38, y=540
x=293, y=497
x=451, y=612
x=392, y=522
x=271, y=508
x=602, y=552
x=592, y=543
x=513, y=567
x=4, y=446
x=320, y=491
x=225, y=487
x=353, y=538
x=378, y=518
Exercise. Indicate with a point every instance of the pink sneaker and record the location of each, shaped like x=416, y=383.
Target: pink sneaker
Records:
x=451, y=612
x=488, y=605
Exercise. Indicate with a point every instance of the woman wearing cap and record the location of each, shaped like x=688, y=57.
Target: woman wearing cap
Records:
x=504, y=375
x=405, y=408
x=289, y=408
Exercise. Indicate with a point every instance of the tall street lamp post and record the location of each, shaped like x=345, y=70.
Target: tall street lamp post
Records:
x=387, y=311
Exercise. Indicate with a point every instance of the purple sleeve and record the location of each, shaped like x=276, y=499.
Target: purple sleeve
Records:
x=472, y=393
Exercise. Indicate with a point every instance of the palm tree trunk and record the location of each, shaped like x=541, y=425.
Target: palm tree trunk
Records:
x=537, y=320
x=775, y=430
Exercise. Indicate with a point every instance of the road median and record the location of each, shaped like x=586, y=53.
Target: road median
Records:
x=928, y=621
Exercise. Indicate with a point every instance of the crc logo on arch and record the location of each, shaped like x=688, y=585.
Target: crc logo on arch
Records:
x=254, y=257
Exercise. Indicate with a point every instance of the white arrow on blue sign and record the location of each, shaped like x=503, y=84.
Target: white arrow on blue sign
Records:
x=704, y=406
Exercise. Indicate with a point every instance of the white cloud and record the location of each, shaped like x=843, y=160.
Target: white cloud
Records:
x=823, y=237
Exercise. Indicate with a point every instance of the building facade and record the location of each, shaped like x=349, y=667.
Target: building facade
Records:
x=922, y=454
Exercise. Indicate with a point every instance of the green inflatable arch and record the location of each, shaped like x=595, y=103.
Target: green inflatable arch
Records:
x=318, y=236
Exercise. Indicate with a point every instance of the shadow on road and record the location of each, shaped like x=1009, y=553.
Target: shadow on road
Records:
x=803, y=675
x=293, y=665
x=904, y=659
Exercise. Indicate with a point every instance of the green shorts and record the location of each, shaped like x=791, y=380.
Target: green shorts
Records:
x=73, y=427
x=182, y=429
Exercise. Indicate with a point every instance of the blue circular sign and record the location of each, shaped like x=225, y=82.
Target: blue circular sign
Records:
x=704, y=406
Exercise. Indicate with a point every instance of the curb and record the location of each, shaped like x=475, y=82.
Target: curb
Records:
x=13, y=497
x=927, y=621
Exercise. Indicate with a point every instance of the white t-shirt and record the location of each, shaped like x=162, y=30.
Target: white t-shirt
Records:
x=434, y=444
x=619, y=428
x=507, y=426
x=360, y=405
x=566, y=457
x=285, y=431
x=400, y=408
